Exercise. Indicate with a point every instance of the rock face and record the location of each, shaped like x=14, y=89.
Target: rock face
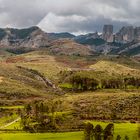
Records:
x=108, y=33
x=137, y=33
x=92, y=39
x=126, y=34
x=32, y=37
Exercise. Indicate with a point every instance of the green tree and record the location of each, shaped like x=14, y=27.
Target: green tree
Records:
x=88, y=131
x=108, y=132
x=98, y=132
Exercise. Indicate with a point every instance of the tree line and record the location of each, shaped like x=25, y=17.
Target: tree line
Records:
x=98, y=133
x=49, y=117
x=86, y=83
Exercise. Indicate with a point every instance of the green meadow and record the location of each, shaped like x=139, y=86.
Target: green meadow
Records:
x=122, y=129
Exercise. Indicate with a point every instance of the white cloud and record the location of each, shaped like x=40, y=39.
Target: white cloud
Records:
x=55, y=23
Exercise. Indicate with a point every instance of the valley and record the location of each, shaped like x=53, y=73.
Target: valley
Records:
x=52, y=86
x=22, y=88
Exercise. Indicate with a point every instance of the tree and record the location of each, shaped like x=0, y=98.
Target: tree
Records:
x=88, y=131
x=126, y=138
x=108, y=132
x=98, y=131
x=118, y=137
x=28, y=109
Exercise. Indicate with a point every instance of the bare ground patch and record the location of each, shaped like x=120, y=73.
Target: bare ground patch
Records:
x=1, y=79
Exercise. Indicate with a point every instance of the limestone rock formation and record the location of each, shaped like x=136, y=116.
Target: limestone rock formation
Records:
x=108, y=33
x=126, y=34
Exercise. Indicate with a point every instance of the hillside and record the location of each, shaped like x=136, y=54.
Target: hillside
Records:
x=115, y=68
x=43, y=62
x=22, y=40
x=17, y=85
x=28, y=76
x=101, y=75
x=92, y=39
x=4, y=54
x=101, y=105
x=55, y=36
x=69, y=47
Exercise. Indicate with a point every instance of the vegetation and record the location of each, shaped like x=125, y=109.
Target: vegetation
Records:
x=49, y=116
x=81, y=89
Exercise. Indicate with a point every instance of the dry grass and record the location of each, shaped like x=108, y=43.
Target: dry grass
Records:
x=69, y=47
x=43, y=63
x=103, y=104
x=1, y=79
x=112, y=68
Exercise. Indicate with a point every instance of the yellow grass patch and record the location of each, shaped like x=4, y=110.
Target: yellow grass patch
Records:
x=1, y=79
x=112, y=68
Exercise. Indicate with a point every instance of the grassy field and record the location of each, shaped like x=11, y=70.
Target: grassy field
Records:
x=44, y=63
x=7, y=119
x=11, y=107
x=115, y=68
x=48, y=136
x=122, y=129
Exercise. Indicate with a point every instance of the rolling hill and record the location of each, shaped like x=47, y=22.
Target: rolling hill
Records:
x=28, y=77
x=69, y=47
x=115, y=68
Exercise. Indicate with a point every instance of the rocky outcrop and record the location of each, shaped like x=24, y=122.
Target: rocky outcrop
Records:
x=126, y=34
x=108, y=33
x=137, y=33
x=32, y=37
x=37, y=39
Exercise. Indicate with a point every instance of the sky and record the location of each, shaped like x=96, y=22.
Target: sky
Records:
x=74, y=16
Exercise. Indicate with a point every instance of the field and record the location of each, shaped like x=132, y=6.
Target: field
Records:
x=49, y=136
x=122, y=129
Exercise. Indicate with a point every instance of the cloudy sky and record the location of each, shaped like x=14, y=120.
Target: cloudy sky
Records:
x=75, y=16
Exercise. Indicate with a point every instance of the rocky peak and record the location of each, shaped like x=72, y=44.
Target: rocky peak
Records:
x=108, y=33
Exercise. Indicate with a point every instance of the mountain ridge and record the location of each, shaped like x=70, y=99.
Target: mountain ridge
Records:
x=32, y=38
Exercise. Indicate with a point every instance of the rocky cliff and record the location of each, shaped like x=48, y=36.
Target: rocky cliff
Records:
x=32, y=37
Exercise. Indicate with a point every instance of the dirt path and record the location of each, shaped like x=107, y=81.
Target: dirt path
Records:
x=2, y=127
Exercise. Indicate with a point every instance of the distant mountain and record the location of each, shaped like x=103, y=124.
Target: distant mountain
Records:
x=55, y=36
x=12, y=33
x=89, y=39
x=24, y=40
x=113, y=48
x=29, y=39
x=32, y=37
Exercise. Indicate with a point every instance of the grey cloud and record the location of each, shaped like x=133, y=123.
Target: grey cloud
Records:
x=69, y=15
